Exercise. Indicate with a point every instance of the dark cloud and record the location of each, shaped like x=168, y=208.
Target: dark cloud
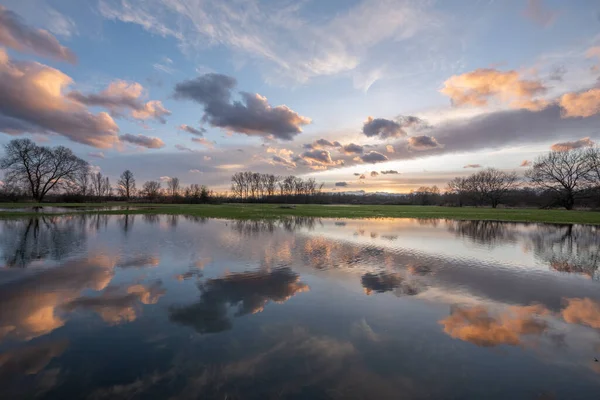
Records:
x=373, y=157
x=576, y=144
x=144, y=141
x=248, y=292
x=121, y=96
x=389, y=171
x=14, y=33
x=362, y=176
x=341, y=184
x=472, y=166
x=321, y=143
x=382, y=128
x=192, y=130
x=353, y=148
x=251, y=116
x=28, y=360
x=374, y=174
x=380, y=283
x=32, y=101
x=412, y=122
x=356, y=174
x=423, y=142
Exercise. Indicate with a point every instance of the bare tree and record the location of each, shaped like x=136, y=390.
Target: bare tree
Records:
x=100, y=185
x=151, y=189
x=126, y=184
x=564, y=173
x=492, y=184
x=39, y=169
x=237, y=184
x=173, y=186
x=460, y=187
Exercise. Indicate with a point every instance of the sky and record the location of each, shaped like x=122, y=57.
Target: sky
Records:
x=373, y=95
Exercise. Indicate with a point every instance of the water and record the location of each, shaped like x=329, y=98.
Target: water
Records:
x=173, y=307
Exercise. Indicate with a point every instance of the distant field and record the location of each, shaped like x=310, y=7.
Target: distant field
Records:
x=265, y=211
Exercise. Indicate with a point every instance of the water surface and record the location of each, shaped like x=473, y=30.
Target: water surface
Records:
x=175, y=307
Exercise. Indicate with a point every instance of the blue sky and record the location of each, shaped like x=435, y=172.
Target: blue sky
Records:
x=446, y=84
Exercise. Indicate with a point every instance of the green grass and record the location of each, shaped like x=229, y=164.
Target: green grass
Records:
x=266, y=211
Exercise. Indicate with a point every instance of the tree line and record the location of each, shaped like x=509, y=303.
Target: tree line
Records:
x=37, y=171
x=566, y=178
x=255, y=186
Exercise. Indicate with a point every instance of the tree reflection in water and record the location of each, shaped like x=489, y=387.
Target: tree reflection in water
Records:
x=26, y=240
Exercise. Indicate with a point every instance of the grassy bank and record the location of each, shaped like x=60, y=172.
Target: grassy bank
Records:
x=262, y=211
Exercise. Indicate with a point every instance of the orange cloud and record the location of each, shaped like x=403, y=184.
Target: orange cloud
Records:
x=33, y=101
x=120, y=96
x=582, y=311
x=476, y=325
x=584, y=104
x=576, y=144
x=478, y=87
x=593, y=52
x=30, y=305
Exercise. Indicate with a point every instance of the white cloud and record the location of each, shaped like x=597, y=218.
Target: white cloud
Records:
x=279, y=36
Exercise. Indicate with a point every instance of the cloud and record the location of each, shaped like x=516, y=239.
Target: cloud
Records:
x=122, y=95
x=577, y=144
x=341, y=184
x=316, y=159
x=31, y=305
x=207, y=158
x=29, y=360
x=192, y=130
x=204, y=142
x=248, y=292
x=356, y=174
x=286, y=45
x=251, y=116
x=32, y=101
x=374, y=174
x=283, y=161
x=478, y=87
x=526, y=163
x=195, y=171
x=536, y=12
x=583, y=311
x=557, y=73
x=593, y=52
x=387, y=282
x=321, y=143
x=373, y=157
x=478, y=326
x=389, y=171
x=472, y=166
x=423, y=142
x=15, y=34
x=117, y=306
x=382, y=128
x=362, y=176
x=181, y=147
x=584, y=104
x=390, y=149
x=96, y=154
x=144, y=141
x=353, y=149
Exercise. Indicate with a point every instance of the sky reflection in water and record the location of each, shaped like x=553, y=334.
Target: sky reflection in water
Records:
x=179, y=307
